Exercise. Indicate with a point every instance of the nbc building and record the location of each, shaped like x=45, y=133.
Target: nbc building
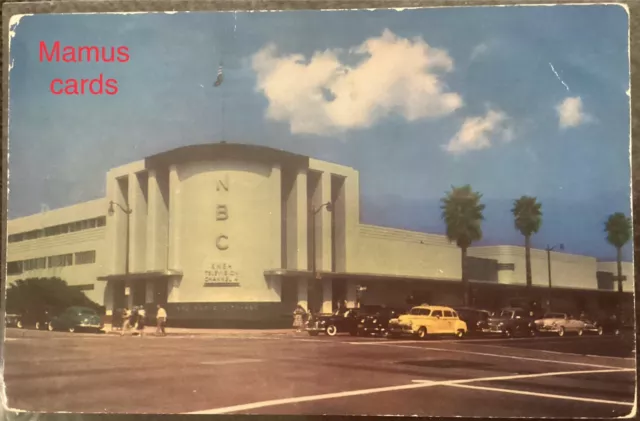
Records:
x=240, y=234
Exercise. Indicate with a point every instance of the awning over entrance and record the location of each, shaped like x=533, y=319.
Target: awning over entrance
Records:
x=140, y=275
x=355, y=276
x=293, y=274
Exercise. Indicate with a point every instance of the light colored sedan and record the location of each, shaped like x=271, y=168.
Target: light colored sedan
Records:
x=560, y=323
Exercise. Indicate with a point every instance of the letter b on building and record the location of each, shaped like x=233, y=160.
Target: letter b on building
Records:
x=222, y=214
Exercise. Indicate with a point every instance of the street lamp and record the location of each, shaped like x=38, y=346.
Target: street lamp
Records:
x=312, y=213
x=549, y=250
x=127, y=211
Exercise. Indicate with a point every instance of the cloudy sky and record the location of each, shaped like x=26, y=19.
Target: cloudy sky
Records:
x=513, y=100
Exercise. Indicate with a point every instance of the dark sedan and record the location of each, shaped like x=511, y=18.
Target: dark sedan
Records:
x=477, y=320
x=343, y=321
x=378, y=323
x=74, y=319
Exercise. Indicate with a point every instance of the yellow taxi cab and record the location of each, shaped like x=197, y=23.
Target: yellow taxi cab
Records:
x=425, y=320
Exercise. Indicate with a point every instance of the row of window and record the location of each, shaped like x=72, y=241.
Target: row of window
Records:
x=59, y=229
x=61, y=260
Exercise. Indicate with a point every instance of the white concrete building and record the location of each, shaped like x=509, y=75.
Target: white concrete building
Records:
x=229, y=232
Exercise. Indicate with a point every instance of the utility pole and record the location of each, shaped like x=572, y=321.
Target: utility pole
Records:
x=549, y=250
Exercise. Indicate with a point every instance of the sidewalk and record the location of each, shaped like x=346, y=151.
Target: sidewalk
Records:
x=173, y=331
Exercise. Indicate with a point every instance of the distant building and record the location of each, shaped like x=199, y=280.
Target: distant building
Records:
x=226, y=232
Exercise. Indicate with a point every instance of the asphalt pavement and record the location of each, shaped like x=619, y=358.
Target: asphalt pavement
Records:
x=567, y=377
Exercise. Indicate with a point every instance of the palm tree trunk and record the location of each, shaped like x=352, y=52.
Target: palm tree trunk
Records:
x=465, y=281
x=619, y=261
x=527, y=256
x=620, y=295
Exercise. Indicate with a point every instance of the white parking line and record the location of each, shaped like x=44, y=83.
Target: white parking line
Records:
x=554, y=352
x=513, y=357
x=416, y=384
x=540, y=395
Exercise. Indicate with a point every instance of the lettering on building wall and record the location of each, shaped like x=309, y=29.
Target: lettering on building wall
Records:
x=220, y=274
x=221, y=242
x=222, y=213
x=223, y=184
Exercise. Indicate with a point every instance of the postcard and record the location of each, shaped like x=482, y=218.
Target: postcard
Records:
x=417, y=212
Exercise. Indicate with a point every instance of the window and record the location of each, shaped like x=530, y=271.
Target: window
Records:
x=34, y=264
x=437, y=313
x=415, y=311
x=14, y=268
x=448, y=314
x=85, y=257
x=520, y=314
x=101, y=222
x=85, y=224
x=425, y=312
x=60, y=260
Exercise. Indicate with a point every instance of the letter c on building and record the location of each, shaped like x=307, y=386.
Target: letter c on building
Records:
x=220, y=244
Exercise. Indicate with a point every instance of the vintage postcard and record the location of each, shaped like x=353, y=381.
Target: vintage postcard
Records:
x=419, y=211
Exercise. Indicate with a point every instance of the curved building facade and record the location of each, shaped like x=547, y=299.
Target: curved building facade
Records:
x=232, y=234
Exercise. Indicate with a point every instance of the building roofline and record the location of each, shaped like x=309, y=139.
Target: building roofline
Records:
x=224, y=150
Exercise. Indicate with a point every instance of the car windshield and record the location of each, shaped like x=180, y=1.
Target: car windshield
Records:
x=86, y=312
x=554, y=316
x=506, y=313
x=420, y=311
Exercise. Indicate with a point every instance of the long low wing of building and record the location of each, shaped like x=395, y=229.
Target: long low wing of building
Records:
x=240, y=232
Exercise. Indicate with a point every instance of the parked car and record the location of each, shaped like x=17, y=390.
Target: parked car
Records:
x=77, y=318
x=345, y=321
x=425, y=320
x=603, y=326
x=477, y=320
x=13, y=320
x=512, y=321
x=378, y=323
x=560, y=324
x=38, y=319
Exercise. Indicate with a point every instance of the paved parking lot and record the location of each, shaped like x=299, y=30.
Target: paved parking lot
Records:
x=289, y=374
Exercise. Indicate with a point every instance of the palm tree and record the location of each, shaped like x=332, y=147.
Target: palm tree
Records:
x=462, y=214
x=527, y=216
x=618, y=229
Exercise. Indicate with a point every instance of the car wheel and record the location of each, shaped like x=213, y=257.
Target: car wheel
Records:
x=314, y=333
x=460, y=334
x=533, y=332
x=508, y=333
x=600, y=330
x=561, y=331
x=37, y=325
x=332, y=330
x=50, y=327
x=616, y=332
x=422, y=333
x=580, y=332
x=19, y=324
x=72, y=329
x=354, y=333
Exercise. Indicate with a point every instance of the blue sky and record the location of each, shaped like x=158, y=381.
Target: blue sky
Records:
x=513, y=100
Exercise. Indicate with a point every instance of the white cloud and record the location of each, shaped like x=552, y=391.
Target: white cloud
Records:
x=324, y=95
x=571, y=113
x=479, y=50
x=480, y=132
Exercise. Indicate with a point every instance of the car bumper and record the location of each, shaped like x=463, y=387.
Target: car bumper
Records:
x=372, y=330
x=315, y=329
x=401, y=330
x=90, y=326
x=548, y=329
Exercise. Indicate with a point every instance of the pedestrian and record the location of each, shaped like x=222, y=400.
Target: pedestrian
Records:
x=298, y=314
x=126, y=315
x=141, y=321
x=161, y=318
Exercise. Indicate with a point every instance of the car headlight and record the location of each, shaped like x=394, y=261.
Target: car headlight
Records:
x=362, y=321
x=479, y=323
x=322, y=322
x=375, y=320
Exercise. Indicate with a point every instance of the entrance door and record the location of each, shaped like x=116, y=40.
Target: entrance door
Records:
x=119, y=299
x=138, y=289
x=161, y=291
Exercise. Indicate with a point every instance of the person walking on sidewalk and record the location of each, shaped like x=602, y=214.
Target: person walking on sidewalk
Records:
x=298, y=315
x=161, y=317
x=126, y=321
x=141, y=321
